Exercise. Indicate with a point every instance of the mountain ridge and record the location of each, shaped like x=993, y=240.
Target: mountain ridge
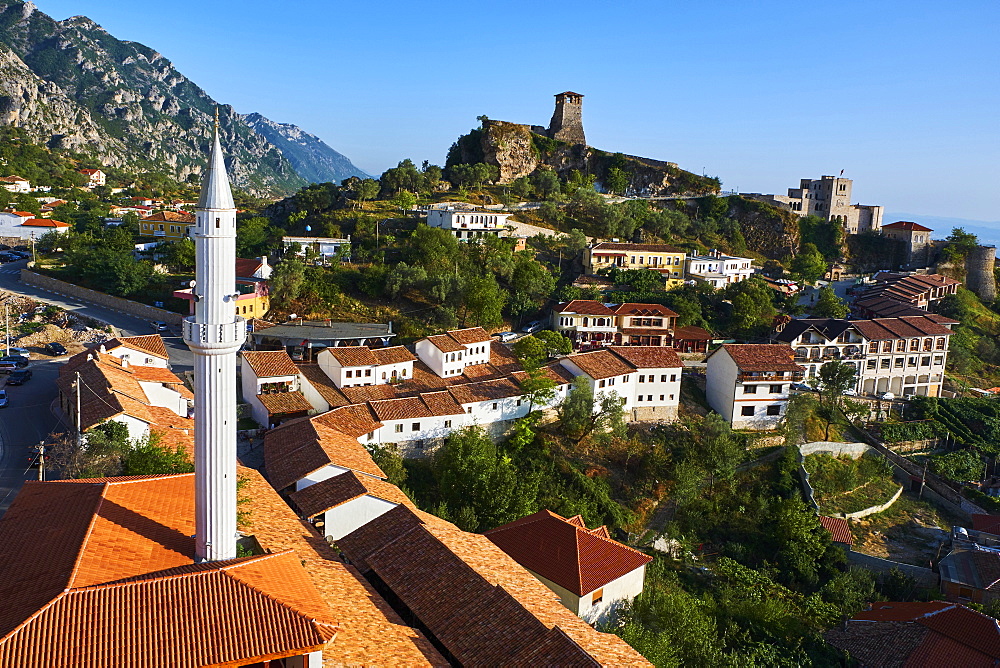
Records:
x=312, y=158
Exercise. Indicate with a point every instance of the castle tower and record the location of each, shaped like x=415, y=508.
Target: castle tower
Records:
x=214, y=334
x=567, y=120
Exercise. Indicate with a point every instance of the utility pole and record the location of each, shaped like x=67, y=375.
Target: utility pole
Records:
x=34, y=258
x=6, y=324
x=79, y=436
x=41, y=461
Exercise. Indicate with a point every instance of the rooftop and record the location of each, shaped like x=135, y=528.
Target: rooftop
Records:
x=907, y=225
x=600, y=364
x=338, y=490
x=270, y=363
x=328, y=332
x=761, y=357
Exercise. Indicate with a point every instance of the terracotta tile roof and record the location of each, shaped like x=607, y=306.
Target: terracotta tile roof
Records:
x=247, y=267
x=757, y=357
x=889, y=611
x=154, y=374
x=340, y=489
x=648, y=248
x=354, y=420
x=485, y=391
x=270, y=363
x=691, y=333
x=300, y=447
x=112, y=563
x=478, y=603
x=362, y=393
x=882, y=329
x=907, y=225
x=150, y=343
x=555, y=372
x=284, y=403
x=400, y=409
x=164, y=417
x=393, y=355
x=369, y=628
x=445, y=343
x=584, y=307
x=353, y=356
x=566, y=552
x=648, y=357
x=643, y=309
x=323, y=385
x=175, y=438
x=987, y=523
x=441, y=403
x=840, y=530
x=600, y=364
x=469, y=335
x=108, y=390
x=170, y=217
x=44, y=222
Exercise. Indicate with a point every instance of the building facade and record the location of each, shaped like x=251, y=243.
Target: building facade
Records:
x=467, y=225
x=749, y=384
x=828, y=197
x=592, y=324
x=916, y=241
x=666, y=259
x=167, y=225
x=719, y=270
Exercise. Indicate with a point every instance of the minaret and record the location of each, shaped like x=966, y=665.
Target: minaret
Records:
x=215, y=333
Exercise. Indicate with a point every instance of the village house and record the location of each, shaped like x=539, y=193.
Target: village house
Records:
x=749, y=383
x=719, y=270
x=904, y=356
x=663, y=258
x=448, y=354
x=897, y=294
x=592, y=324
x=24, y=226
x=323, y=248
x=95, y=177
x=15, y=184
x=591, y=574
x=253, y=295
x=350, y=366
x=167, y=225
x=270, y=385
x=916, y=240
x=466, y=224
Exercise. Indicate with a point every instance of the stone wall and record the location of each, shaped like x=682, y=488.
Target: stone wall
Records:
x=925, y=577
x=979, y=276
x=871, y=510
x=125, y=306
x=852, y=450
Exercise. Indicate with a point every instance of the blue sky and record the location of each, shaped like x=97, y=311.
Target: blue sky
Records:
x=904, y=96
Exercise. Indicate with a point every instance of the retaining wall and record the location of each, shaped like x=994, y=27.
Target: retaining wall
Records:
x=852, y=450
x=125, y=306
x=871, y=510
x=925, y=577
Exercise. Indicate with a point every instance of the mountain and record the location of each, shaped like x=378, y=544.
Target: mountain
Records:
x=310, y=156
x=70, y=84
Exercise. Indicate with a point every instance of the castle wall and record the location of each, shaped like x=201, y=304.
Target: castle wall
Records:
x=567, y=119
x=979, y=265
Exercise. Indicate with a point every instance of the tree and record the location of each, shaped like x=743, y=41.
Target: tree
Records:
x=718, y=450
x=404, y=200
x=147, y=456
x=752, y=307
x=178, y=255
x=617, y=181
x=556, y=343
x=287, y=280
x=833, y=379
x=484, y=300
x=537, y=387
x=809, y=264
x=253, y=236
x=578, y=408
x=531, y=352
x=829, y=305
x=545, y=182
x=367, y=189
x=403, y=277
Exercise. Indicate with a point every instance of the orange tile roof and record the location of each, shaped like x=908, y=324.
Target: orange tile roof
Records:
x=284, y=403
x=154, y=374
x=400, y=409
x=353, y=355
x=469, y=335
x=323, y=385
x=566, y=552
x=340, y=489
x=555, y=372
x=487, y=390
x=840, y=530
x=370, y=630
x=889, y=611
x=44, y=222
x=584, y=307
x=758, y=357
x=481, y=606
x=175, y=438
x=393, y=355
x=112, y=562
x=247, y=267
x=270, y=363
x=300, y=447
x=355, y=420
x=648, y=357
x=441, y=403
x=362, y=393
x=643, y=309
x=601, y=364
x=445, y=343
x=150, y=343
x=907, y=225
x=170, y=217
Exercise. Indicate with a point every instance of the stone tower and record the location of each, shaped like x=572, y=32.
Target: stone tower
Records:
x=215, y=333
x=567, y=120
x=979, y=276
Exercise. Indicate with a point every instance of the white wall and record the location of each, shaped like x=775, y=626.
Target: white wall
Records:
x=720, y=384
x=320, y=475
x=312, y=395
x=615, y=593
x=160, y=395
x=443, y=364
x=669, y=389
x=138, y=357
x=433, y=426
x=345, y=518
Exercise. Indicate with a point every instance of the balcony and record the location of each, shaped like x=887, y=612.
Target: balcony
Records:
x=784, y=377
x=215, y=337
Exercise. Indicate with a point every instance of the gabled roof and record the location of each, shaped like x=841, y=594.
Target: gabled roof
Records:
x=354, y=420
x=907, y=225
x=445, y=343
x=338, y=490
x=840, y=530
x=353, y=355
x=761, y=357
x=648, y=248
x=566, y=552
x=584, y=307
x=270, y=363
x=486, y=390
x=986, y=523
x=170, y=217
x=284, y=403
x=247, y=267
x=393, y=355
x=456, y=340
x=481, y=606
x=829, y=328
x=104, y=565
x=150, y=343
x=643, y=309
x=322, y=383
x=44, y=222
x=648, y=357
x=600, y=364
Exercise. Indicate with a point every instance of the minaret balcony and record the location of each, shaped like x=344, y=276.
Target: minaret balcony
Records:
x=224, y=335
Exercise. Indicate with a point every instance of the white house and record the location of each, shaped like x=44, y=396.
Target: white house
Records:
x=147, y=350
x=467, y=225
x=585, y=322
x=270, y=384
x=95, y=177
x=749, y=383
x=448, y=354
x=340, y=504
x=324, y=247
x=591, y=573
x=648, y=378
x=413, y=423
x=350, y=366
x=719, y=270
x=16, y=225
x=15, y=184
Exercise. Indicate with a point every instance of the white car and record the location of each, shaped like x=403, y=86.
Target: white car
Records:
x=506, y=336
x=887, y=396
x=21, y=352
x=850, y=393
x=532, y=327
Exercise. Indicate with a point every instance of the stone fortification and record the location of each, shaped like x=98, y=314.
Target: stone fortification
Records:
x=567, y=119
x=979, y=276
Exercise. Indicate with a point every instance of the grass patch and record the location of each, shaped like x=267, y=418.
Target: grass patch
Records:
x=845, y=485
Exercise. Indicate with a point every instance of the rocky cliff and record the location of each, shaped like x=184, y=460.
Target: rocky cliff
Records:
x=70, y=84
x=310, y=156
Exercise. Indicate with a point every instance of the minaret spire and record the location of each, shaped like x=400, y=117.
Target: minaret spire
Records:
x=215, y=333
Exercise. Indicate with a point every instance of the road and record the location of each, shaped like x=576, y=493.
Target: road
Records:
x=28, y=418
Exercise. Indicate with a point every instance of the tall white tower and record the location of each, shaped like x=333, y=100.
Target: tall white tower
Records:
x=215, y=333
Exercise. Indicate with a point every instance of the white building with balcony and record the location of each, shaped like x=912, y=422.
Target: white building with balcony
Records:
x=350, y=366
x=467, y=225
x=587, y=323
x=448, y=354
x=749, y=383
x=719, y=270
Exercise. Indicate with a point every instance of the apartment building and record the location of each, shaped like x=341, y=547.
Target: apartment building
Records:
x=591, y=324
x=904, y=356
x=719, y=270
x=749, y=383
x=167, y=225
x=466, y=225
x=448, y=354
x=896, y=294
x=666, y=259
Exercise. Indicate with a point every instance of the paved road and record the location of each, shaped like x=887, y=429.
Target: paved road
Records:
x=25, y=422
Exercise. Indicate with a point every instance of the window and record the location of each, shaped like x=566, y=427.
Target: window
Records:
x=911, y=361
x=746, y=411
x=469, y=409
x=939, y=359
x=663, y=378
x=749, y=389
x=447, y=424
x=776, y=389
x=886, y=363
x=774, y=410
x=416, y=426
x=898, y=363
x=671, y=397
x=349, y=373
x=642, y=379
x=601, y=384
x=597, y=596
x=399, y=429
x=673, y=378
x=871, y=365
x=649, y=397
x=495, y=405
x=640, y=397
x=965, y=593
x=218, y=222
x=368, y=373
x=926, y=361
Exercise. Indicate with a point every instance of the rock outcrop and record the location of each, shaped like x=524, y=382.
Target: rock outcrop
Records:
x=310, y=156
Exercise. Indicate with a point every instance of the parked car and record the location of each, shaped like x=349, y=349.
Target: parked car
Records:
x=532, y=327
x=7, y=257
x=8, y=367
x=19, y=377
x=850, y=393
x=20, y=254
x=298, y=353
x=55, y=349
x=887, y=396
x=802, y=387
x=159, y=326
x=3, y=399
x=20, y=352
x=504, y=337
x=21, y=362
